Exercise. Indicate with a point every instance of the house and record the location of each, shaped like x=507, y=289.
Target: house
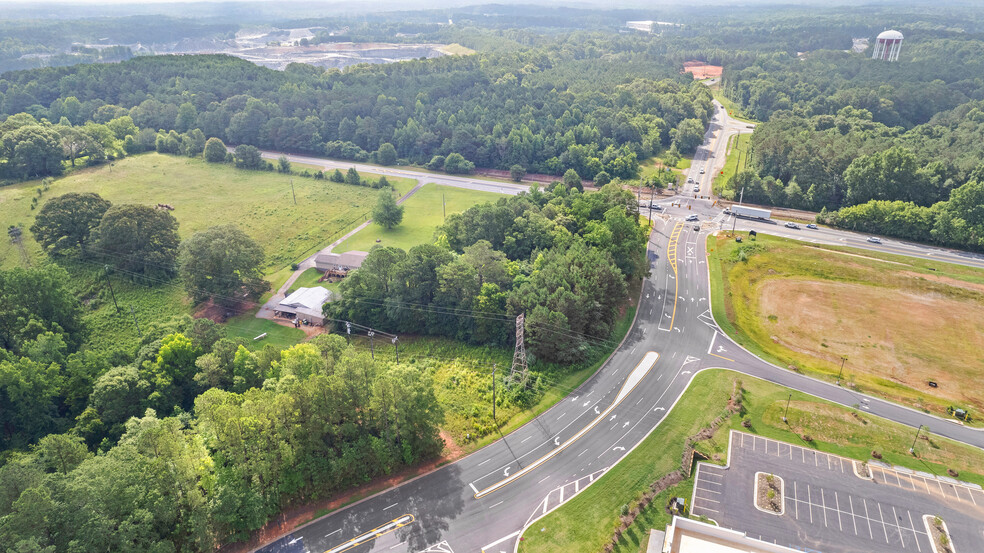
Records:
x=304, y=303
x=340, y=262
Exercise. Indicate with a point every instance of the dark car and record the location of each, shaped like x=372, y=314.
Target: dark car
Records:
x=811, y=225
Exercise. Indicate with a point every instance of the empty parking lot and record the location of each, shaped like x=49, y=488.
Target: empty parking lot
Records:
x=829, y=507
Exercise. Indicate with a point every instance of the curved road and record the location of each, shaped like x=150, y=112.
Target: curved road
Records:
x=483, y=501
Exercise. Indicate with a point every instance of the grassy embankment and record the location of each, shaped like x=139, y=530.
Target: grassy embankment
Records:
x=203, y=195
x=733, y=109
x=588, y=521
x=422, y=214
x=739, y=151
x=899, y=321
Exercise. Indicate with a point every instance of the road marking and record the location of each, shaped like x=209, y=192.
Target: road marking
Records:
x=398, y=545
x=373, y=534
x=472, y=487
x=496, y=505
x=390, y=507
x=487, y=460
x=723, y=357
x=522, y=442
x=636, y=376
x=500, y=540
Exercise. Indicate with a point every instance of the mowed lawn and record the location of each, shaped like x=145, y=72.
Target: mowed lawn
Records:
x=422, y=214
x=900, y=322
x=205, y=195
x=587, y=522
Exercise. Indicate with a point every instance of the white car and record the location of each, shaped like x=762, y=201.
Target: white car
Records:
x=792, y=225
x=874, y=240
x=692, y=217
x=701, y=170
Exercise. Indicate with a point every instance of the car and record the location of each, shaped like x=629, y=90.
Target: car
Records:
x=690, y=180
x=696, y=188
x=692, y=217
x=812, y=226
x=655, y=207
x=874, y=240
x=697, y=228
x=792, y=225
x=701, y=170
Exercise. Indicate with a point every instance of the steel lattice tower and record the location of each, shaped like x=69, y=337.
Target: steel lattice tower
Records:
x=519, y=355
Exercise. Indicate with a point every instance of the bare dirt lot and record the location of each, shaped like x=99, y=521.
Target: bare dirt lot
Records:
x=903, y=337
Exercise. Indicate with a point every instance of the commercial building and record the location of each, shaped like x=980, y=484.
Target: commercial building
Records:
x=340, y=262
x=684, y=535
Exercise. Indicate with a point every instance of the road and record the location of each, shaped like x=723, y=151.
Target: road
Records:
x=713, y=153
x=483, y=501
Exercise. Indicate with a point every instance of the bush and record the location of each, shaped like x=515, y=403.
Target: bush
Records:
x=337, y=176
x=386, y=154
x=436, y=163
x=456, y=164
x=517, y=172
x=215, y=150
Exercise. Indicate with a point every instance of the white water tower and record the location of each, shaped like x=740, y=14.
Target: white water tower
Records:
x=887, y=46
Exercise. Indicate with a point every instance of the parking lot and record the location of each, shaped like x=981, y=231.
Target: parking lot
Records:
x=830, y=507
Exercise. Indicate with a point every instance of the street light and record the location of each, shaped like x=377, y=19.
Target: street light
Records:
x=912, y=449
x=787, y=409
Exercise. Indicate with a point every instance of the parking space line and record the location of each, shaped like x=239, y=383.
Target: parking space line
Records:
x=796, y=504
x=868, y=518
x=882, y=517
x=914, y=535
x=837, y=503
x=853, y=517
x=823, y=501
x=810, y=500
x=895, y=519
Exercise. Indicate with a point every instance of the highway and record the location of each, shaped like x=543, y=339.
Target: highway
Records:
x=483, y=501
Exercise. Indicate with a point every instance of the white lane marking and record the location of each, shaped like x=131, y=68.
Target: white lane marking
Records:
x=524, y=440
x=636, y=376
x=496, y=505
x=390, y=507
x=486, y=461
x=398, y=545
x=500, y=540
x=473, y=487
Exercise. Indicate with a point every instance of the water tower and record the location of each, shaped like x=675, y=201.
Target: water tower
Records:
x=887, y=46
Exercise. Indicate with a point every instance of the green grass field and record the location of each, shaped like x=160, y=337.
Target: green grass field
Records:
x=206, y=195
x=894, y=318
x=738, y=157
x=423, y=213
x=247, y=326
x=588, y=521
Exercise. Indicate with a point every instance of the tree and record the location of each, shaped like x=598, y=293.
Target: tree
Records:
x=352, y=177
x=215, y=150
x=222, y=264
x=688, y=135
x=32, y=151
x=193, y=143
x=248, y=157
x=283, y=165
x=66, y=221
x=386, y=213
x=61, y=452
x=573, y=180
x=35, y=301
x=138, y=240
x=386, y=154
x=517, y=172
x=337, y=176
x=602, y=178
x=456, y=164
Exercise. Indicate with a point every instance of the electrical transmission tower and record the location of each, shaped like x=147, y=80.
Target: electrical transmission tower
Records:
x=519, y=356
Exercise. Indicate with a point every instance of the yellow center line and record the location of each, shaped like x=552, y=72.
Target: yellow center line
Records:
x=722, y=357
x=371, y=535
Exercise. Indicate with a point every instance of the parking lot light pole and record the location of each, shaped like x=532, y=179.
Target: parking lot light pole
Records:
x=913, y=448
x=787, y=409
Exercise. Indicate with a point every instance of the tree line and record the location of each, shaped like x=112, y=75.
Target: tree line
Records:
x=561, y=257
x=494, y=110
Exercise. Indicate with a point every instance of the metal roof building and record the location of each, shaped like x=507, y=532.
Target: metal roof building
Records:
x=305, y=303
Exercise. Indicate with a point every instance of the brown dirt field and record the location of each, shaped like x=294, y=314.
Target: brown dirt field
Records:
x=947, y=280
x=702, y=70
x=902, y=337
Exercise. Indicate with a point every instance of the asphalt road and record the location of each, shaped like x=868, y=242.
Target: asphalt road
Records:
x=483, y=501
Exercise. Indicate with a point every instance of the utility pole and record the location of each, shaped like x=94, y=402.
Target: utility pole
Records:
x=372, y=350
x=348, y=332
x=493, y=391
x=734, y=216
x=786, y=412
x=913, y=448
x=444, y=206
x=396, y=342
x=652, y=196
x=135, y=322
x=292, y=190
x=110, y=283
x=843, y=359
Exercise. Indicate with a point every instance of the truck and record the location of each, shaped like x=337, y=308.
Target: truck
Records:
x=751, y=212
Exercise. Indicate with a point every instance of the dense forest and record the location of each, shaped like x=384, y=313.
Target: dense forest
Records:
x=586, y=102
x=561, y=257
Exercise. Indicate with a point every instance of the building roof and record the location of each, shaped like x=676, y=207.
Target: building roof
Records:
x=307, y=298
x=691, y=536
x=890, y=35
x=352, y=259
